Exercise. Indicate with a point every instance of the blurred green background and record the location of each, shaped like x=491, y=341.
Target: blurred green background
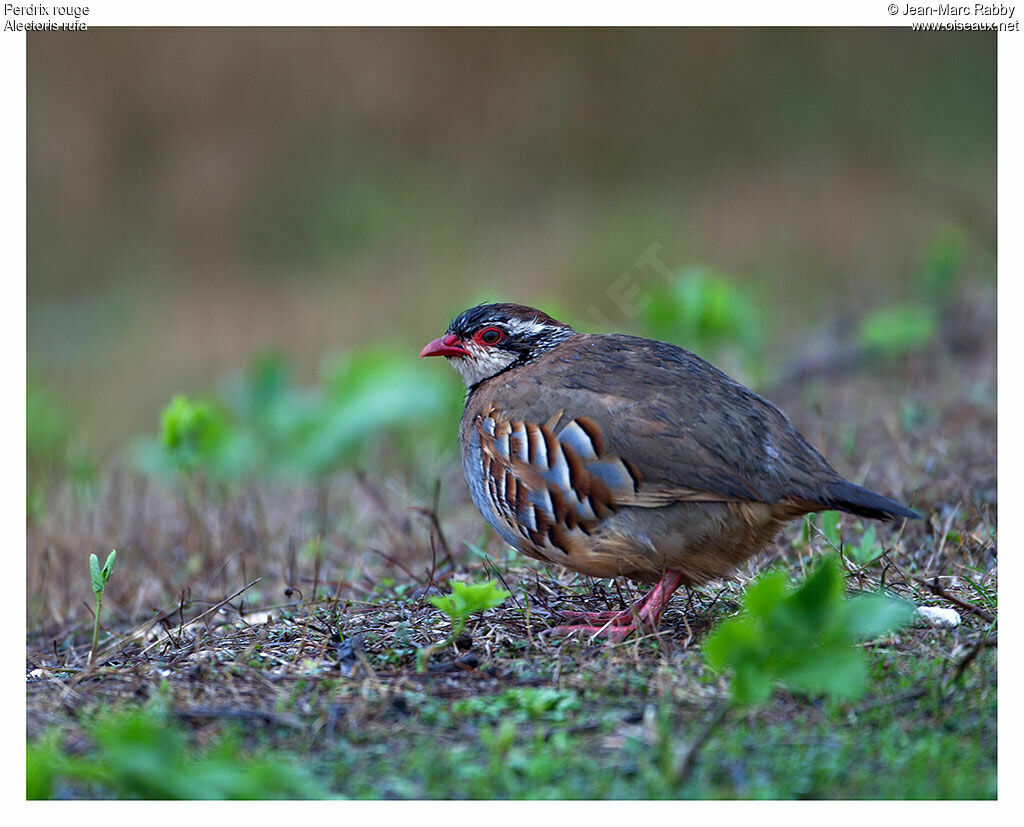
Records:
x=200, y=196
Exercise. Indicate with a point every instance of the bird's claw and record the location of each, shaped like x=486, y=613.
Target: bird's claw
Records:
x=619, y=618
x=612, y=633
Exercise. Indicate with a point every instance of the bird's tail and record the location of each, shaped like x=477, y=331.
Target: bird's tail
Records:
x=843, y=495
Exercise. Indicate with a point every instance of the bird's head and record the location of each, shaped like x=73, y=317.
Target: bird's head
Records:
x=491, y=338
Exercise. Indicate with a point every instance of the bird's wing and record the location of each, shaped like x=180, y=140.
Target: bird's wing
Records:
x=543, y=477
x=650, y=424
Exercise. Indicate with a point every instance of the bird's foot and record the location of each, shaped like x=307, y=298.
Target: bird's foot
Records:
x=614, y=626
x=619, y=618
x=609, y=631
x=617, y=626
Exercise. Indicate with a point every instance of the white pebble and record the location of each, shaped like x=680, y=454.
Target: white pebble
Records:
x=937, y=616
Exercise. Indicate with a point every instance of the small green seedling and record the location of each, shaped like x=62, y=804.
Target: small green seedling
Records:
x=865, y=552
x=804, y=638
x=100, y=578
x=465, y=599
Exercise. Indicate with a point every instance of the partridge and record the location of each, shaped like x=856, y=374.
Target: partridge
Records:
x=614, y=455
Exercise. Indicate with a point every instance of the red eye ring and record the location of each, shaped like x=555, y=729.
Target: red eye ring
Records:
x=489, y=336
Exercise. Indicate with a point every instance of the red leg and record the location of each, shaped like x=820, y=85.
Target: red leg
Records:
x=617, y=626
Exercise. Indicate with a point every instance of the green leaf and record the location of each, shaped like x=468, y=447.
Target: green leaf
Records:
x=445, y=603
x=803, y=638
x=108, y=567
x=751, y=685
x=816, y=601
x=95, y=575
x=732, y=640
x=836, y=670
x=866, y=550
x=765, y=593
x=476, y=597
x=467, y=598
x=830, y=527
x=870, y=615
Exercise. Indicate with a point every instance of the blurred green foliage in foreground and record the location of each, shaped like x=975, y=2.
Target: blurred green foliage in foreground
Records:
x=803, y=638
x=144, y=753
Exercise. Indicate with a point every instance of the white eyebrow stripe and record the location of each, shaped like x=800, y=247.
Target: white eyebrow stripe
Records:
x=522, y=327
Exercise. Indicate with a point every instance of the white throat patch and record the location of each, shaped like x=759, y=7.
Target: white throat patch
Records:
x=482, y=363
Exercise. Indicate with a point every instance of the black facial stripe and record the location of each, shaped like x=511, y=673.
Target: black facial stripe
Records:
x=500, y=315
x=528, y=348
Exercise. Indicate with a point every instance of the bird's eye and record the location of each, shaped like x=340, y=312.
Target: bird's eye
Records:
x=489, y=335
